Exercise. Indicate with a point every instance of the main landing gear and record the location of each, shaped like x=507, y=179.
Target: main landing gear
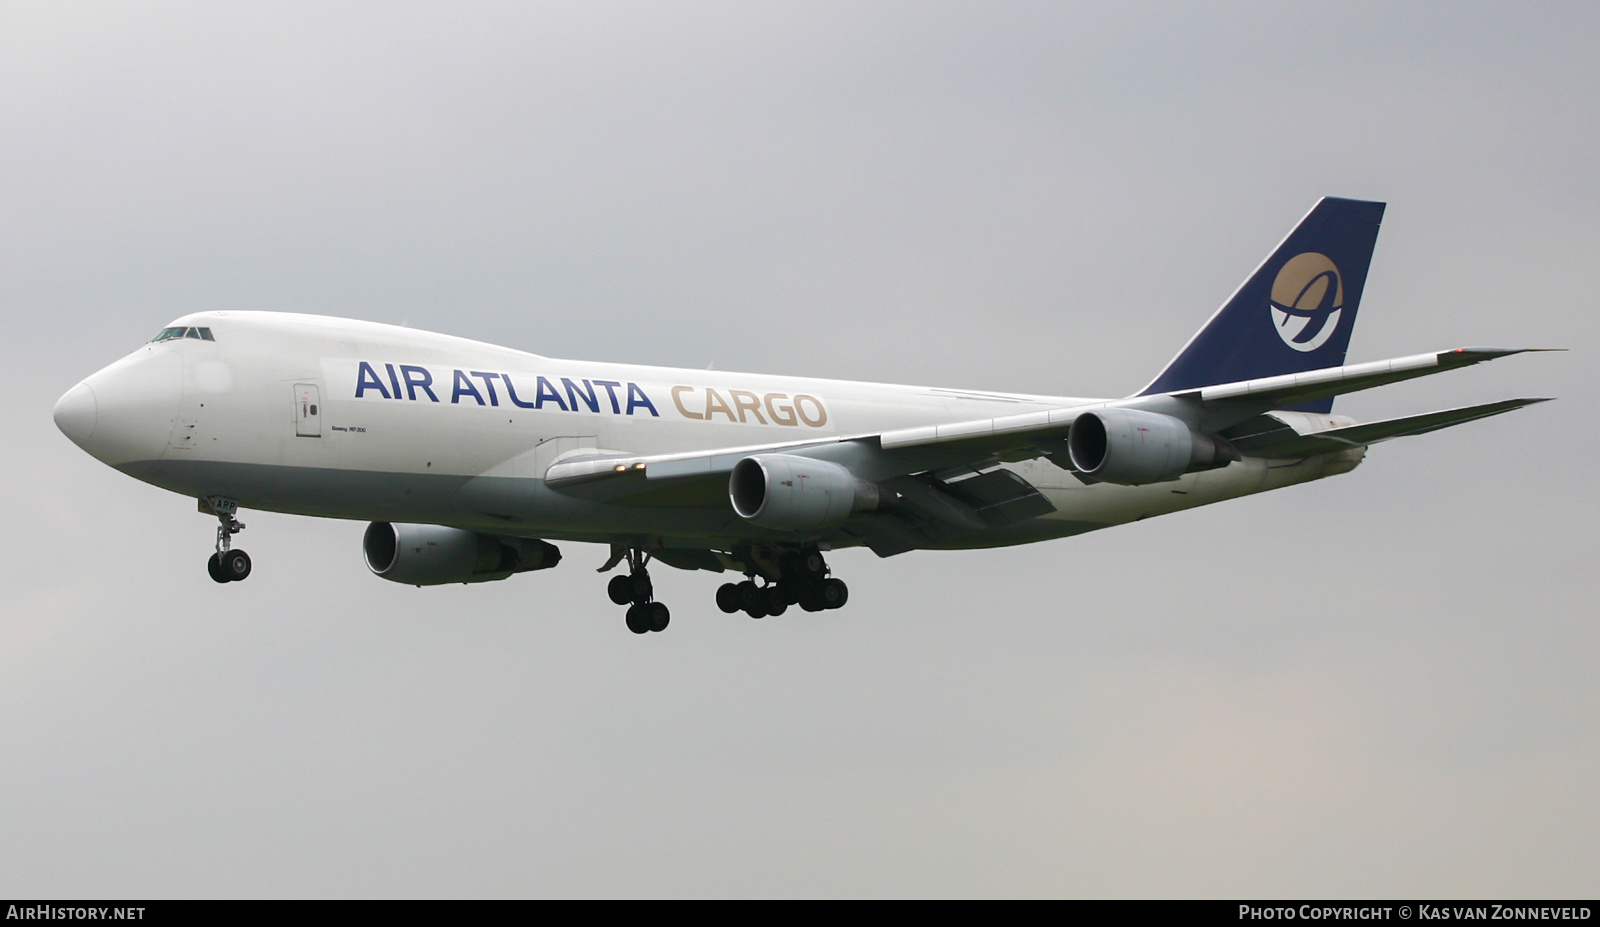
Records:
x=227, y=565
x=636, y=591
x=802, y=580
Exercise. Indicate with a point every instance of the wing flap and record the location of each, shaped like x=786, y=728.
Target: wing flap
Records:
x=1000, y=497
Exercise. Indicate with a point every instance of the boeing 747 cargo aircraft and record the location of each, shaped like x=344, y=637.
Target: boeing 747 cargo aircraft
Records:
x=469, y=459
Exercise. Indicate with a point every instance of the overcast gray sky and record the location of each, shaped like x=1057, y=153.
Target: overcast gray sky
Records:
x=1380, y=684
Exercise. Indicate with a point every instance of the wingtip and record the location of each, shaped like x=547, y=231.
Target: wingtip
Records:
x=1483, y=353
x=1511, y=404
x=1487, y=352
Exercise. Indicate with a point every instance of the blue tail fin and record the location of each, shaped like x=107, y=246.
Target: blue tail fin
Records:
x=1295, y=313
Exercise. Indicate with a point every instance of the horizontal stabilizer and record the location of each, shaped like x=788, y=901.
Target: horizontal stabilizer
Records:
x=1285, y=442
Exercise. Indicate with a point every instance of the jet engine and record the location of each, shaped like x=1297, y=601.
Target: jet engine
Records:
x=1132, y=448
x=430, y=555
x=797, y=493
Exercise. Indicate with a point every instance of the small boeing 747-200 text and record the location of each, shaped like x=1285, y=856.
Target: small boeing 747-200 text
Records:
x=468, y=458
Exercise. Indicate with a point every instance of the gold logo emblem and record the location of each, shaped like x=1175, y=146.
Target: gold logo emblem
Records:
x=1307, y=301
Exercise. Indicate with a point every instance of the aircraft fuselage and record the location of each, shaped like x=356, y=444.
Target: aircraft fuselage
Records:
x=359, y=420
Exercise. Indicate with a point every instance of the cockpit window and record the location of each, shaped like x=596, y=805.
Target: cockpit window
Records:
x=169, y=334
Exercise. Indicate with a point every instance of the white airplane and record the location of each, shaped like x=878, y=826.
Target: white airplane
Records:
x=465, y=457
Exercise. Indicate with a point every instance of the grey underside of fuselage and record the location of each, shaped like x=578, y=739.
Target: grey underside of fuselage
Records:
x=527, y=507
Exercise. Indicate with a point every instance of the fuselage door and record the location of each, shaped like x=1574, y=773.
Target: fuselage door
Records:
x=307, y=411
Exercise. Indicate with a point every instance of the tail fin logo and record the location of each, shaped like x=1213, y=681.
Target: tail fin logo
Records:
x=1307, y=301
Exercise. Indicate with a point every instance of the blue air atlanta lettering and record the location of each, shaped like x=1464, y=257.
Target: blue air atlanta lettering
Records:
x=415, y=383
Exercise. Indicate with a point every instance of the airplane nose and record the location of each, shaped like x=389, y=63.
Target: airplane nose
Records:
x=74, y=415
x=125, y=413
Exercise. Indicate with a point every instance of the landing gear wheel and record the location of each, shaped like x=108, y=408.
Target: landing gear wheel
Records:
x=812, y=565
x=636, y=591
x=215, y=568
x=789, y=589
x=642, y=587
x=772, y=601
x=833, y=593
x=749, y=596
x=811, y=600
x=234, y=565
x=728, y=597
x=756, y=611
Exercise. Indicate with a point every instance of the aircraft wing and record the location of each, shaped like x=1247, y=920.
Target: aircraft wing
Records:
x=944, y=455
x=1221, y=405
x=1295, y=388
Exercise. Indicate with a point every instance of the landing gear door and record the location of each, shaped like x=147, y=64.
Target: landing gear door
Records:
x=307, y=411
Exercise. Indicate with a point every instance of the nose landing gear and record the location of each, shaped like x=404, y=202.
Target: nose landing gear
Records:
x=227, y=565
x=637, y=592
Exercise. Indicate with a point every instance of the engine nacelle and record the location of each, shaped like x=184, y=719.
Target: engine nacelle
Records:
x=797, y=493
x=429, y=555
x=1132, y=448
